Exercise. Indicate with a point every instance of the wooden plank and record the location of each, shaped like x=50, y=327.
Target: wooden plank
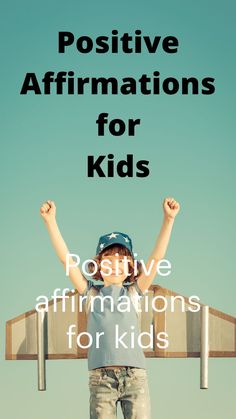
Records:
x=159, y=321
x=21, y=344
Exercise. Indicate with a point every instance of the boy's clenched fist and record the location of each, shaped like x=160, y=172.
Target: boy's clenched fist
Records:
x=48, y=211
x=171, y=207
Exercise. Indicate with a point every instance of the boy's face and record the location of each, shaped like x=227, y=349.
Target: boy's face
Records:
x=114, y=269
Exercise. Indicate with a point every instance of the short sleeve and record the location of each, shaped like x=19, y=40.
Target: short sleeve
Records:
x=135, y=289
x=89, y=285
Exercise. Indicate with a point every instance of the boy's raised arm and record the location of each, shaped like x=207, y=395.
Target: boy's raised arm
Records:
x=48, y=213
x=171, y=209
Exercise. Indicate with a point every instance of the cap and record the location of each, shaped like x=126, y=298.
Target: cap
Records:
x=116, y=237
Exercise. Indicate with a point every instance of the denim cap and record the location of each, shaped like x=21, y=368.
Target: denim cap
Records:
x=116, y=237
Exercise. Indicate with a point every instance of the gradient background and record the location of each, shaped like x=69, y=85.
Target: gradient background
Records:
x=189, y=141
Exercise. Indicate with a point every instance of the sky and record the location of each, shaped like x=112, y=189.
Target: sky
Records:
x=189, y=143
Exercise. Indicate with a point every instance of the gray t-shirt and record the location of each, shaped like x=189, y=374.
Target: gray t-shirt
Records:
x=118, y=344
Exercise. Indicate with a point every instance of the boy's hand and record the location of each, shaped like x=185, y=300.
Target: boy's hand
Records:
x=48, y=211
x=170, y=207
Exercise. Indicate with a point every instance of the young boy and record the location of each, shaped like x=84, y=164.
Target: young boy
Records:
x=115, y=373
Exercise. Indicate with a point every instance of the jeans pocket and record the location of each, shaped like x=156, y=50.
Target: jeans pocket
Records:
x=138, y=372
x=138, y=377
x=95, y=373
x=94, y=378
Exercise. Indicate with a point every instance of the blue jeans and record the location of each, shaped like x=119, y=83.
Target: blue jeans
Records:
x=128, y=385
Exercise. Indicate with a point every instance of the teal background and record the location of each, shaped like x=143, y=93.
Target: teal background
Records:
x=189, y=141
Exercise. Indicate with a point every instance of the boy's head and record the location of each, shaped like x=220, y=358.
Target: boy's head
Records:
x=115, y=237
x=115, y=264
